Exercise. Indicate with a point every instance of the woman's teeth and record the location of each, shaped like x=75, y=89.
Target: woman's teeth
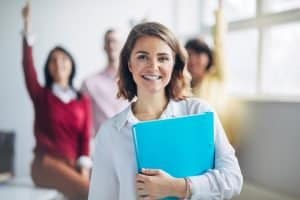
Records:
x=152, y=77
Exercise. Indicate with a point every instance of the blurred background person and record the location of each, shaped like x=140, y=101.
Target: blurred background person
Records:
x=62, y=124
x=209, y=77
x=102, y=87
x=199, y=65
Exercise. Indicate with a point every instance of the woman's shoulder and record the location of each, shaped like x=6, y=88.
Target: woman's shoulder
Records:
x=117, y=120
x=194, y=105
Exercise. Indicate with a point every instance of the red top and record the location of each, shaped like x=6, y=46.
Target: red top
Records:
x=61, y=129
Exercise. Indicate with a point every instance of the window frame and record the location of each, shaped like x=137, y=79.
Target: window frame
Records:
x=261, y=21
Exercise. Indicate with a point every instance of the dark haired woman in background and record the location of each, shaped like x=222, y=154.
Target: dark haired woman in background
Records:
x=62, y=123
x=199, y=64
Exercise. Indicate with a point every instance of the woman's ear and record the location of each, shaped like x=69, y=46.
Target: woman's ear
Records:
x=129, y=67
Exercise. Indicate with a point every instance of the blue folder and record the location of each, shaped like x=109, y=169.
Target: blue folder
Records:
x=181, y=146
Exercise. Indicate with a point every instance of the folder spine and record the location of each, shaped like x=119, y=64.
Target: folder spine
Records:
x=135, y=141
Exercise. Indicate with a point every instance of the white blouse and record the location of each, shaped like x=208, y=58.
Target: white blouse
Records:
x=65, y=95
x=115, y=167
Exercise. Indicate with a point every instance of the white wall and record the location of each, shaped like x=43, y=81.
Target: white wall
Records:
x=269, y=148
x=79, y=26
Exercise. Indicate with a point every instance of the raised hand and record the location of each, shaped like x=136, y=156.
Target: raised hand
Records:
x=26, y=13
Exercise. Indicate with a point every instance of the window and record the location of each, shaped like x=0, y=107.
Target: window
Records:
x=187, y=17
x=234, y=10
x=262, y=45
x=280, y=5
x=241, y=45
x=281, y=64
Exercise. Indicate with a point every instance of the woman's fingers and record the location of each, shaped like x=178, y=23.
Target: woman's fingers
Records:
x=151, y=172
x=26, y=17
x=26, y=11
x=140, y=185
x=142, y=193
x=145, y=198
x=142, y=178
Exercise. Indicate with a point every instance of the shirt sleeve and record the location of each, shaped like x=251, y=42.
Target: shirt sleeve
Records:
x=86, y=135
x=104, y=184
x=31, y=80
x=225, y=180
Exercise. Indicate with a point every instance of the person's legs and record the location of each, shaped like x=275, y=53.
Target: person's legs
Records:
x=51, y=172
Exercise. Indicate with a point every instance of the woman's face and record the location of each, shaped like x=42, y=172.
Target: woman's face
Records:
x=151, y=63
x=112, y=46
x=60, y=66
x=197, y=63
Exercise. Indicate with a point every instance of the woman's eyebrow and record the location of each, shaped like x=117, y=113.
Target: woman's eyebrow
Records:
x=159, y=54
x=163, y=54
x=141, y=52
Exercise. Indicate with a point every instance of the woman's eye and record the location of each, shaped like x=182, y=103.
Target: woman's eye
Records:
x=142, y=57
x=163, y=59
x=53, y=60
x=65, y=59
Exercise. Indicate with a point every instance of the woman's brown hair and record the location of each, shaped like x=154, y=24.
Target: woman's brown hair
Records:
x=178, y=87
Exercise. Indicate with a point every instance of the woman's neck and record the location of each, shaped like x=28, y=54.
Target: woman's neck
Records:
x=195, y=83
x=112, y=69
x=150, y=108
x=62, y=84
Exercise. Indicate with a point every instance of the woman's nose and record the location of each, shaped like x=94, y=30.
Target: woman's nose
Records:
x=59, y=63
x=153, y=63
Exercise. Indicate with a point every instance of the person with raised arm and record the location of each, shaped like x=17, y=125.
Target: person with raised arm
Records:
x=62, y=121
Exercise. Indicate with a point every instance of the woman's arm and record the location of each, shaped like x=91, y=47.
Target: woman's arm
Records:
x=31, y=80
x=84, y=162
x=226, y=179
x=104, y=184
x=86, y=135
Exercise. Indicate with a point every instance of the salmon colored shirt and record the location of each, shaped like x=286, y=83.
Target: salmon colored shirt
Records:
x=102, y=90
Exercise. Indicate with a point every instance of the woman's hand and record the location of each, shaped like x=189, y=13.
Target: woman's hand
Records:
x=85, y=172
x=156, y=184
x=26, y=13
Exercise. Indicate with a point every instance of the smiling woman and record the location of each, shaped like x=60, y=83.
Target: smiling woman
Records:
x=151, y=65
x=152, y=71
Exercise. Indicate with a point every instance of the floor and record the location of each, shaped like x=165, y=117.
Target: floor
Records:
x=251, y=192
x=23, y=188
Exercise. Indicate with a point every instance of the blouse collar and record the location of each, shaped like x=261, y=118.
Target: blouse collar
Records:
x=64, y=94
x=127, y=116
